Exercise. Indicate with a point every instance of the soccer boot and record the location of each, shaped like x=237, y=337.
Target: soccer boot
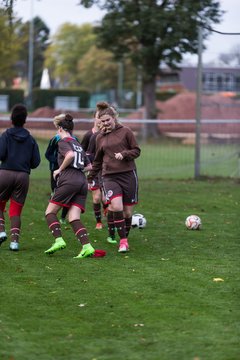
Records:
x=14, y=246
x=111, y=240
x=3, y=237
x=59, y=244
x=86, y=251
x=123, y=247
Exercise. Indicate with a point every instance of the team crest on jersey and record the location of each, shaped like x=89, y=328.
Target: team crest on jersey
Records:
x=109, y=194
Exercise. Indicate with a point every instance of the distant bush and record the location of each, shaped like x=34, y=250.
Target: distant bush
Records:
x=14, y=96
x=42, y=98
x=165, y=95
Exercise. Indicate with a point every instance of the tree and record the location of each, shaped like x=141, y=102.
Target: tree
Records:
x=9, y=47
x=153, y=32
x=41, y=42
x=94, y=69
x=15, y=46
x=98, y=71
x=8, y=4
x=68, y=46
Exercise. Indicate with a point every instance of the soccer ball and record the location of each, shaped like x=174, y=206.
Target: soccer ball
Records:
x=193, y=222
x=139, y=221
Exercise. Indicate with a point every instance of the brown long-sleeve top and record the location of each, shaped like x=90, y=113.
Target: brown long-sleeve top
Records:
x=120, y=140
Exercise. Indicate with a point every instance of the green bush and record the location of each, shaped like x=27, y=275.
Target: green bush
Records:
x=165, y=95
x=15, y=96
x=43, y=98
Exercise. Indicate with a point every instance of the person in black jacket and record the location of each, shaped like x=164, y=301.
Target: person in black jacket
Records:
x=19, y=153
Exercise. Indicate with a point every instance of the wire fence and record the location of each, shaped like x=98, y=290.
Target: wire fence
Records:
x=172, y=154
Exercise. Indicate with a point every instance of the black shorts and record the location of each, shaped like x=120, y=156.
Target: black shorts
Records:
x=14, y=185
x=122, y=184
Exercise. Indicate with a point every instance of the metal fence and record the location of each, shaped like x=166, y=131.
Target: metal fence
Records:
x=172, y=154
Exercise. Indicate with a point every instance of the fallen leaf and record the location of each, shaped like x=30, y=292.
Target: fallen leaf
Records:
x=217, y=279
x=138, y=325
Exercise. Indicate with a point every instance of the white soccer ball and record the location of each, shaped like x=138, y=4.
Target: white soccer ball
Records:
x=139, y=221
x=193, y=222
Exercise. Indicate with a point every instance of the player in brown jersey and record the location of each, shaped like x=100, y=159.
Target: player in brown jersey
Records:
x=71, y=190
x=88, y=145
x=19, y=153
x=116, y=149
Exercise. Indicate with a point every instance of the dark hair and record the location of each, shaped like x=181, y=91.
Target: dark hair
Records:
x=64, y=121
x=104, y=108
x=19, y=114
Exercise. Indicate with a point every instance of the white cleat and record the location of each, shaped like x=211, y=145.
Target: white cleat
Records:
x=14, y=246
x=3, y=237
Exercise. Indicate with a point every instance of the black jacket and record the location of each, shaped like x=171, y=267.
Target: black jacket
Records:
x=51, y=153
x=18, y=150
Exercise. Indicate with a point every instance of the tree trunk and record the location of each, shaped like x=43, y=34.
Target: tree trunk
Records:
x=149, y=96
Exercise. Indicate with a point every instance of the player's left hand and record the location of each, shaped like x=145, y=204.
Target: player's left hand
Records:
x=56, y=173
x=118, y=156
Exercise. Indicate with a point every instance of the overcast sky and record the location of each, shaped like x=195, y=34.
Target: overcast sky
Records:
x=56, y=12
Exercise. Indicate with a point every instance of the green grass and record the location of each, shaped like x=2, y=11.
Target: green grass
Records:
x=176, y=161
x=158, y=302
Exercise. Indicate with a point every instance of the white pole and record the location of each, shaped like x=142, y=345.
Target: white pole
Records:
x=30, y=56
x=198, y=106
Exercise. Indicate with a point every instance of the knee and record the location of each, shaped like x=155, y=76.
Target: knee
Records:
x=96, y=198
x=127, y=213
x=115, y=207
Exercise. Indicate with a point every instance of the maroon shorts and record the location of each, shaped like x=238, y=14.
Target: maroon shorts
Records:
x=14, y=185
x=122, y=184
x=71, y=191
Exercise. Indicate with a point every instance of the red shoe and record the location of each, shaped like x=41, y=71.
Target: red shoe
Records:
x=99, y=226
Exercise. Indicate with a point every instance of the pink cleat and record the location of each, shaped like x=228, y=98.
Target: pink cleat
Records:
x=124, y=247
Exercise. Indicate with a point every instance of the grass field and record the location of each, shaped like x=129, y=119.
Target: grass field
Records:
x=158, y=302
x=176, y=161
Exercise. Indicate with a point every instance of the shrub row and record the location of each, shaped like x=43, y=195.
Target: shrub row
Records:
x=46, y=97
x=14, y=96
x=41, y=98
